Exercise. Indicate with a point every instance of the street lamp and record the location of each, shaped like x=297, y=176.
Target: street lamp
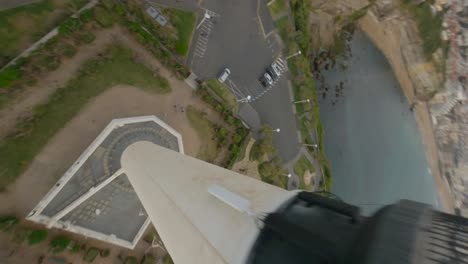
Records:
x=294, y=55
x=311, y=145
x=206, y=16
x=287, y=175
x=245, y=100
x=302, y=101
x=277, y=130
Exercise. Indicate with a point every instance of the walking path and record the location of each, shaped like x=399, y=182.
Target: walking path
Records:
x=293, y=182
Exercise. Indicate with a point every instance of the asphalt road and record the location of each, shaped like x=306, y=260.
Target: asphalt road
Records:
x=234, y=38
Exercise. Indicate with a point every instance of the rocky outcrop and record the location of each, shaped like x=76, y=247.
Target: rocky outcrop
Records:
x=391, y=29
x=405, y=48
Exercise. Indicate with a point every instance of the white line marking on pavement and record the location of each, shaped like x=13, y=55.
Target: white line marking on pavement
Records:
x=203, y=40
x=212, y=13
x=202, y=45
x=200, y=49
x=280, y=62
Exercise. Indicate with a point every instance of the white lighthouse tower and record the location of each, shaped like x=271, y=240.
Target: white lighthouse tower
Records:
x=203, y=213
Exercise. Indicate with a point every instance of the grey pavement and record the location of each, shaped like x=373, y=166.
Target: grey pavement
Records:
x=117, y=202
x=264, y=14
x=275, y=110
x=250, y=116
x=233, y=38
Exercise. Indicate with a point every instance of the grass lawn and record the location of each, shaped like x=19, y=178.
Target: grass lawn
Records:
x=184, y=22
x=283, y=26
x=224, y=93
x=206, y=134
x=271, y=172
x=301, y=166
x=429, y=26
x=277, y=7
x=119, y=67
x=22, y=26
x=243, y=148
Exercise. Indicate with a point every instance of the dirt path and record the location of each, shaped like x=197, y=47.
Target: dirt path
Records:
x=245, y=166
x=46, y=86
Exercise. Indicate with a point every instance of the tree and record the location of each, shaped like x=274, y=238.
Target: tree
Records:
x=37, y=236
x=59, y=244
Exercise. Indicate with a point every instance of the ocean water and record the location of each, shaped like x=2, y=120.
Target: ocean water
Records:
x=371, y=136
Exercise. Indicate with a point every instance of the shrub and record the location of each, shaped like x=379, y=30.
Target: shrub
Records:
x=87, y=15
x=131, y=260
x=37, y=236
x=68, y=50
x=69, y=26
x=76, y=248
x=301, y=17
x=48, y=62
x=356, y=15
x=263, y=145
x=236, y=138
x=151, y=235
x=105, y=253
x=103, y=17
x=86, y=37
x=219, y=108
x=222, y=132
x=59, y=244
x=119, y=9
x=8, y=222
x=108, y=4
x=230, y=119
x=256, y=151
x=233, y=155
x=148, y=259
x=162, y=82
x=8, y=75
x=167, y=259
x=271, y=173
x=91, y=254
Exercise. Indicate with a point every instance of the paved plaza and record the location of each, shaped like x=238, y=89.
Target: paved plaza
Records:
x=95, y=191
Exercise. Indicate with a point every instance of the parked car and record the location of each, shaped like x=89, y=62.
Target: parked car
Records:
x=266, y=80
x=274, y=70
x=224, y=75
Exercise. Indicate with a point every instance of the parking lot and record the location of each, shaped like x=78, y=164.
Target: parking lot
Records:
x=235, y=37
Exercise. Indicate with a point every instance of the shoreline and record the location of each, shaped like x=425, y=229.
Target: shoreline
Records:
x=389, y=44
